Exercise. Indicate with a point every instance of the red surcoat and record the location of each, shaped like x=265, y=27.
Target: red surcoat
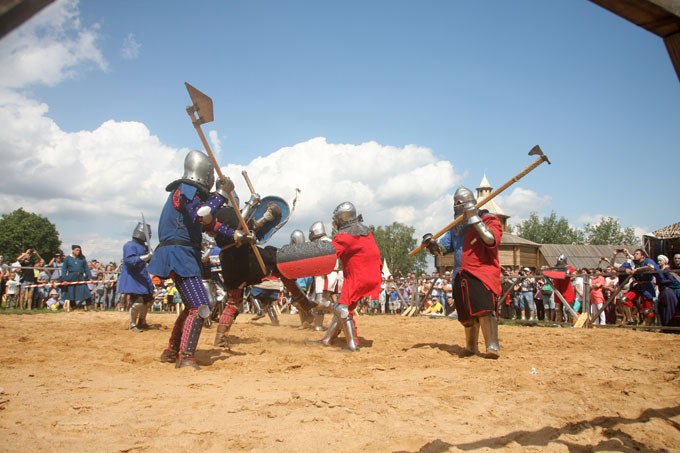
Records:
x=564, y=286
x=361, y=266
x=481, y=260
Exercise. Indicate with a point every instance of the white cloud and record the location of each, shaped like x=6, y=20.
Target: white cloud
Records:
x=520, y=203
x=215, y=143
x=94, y=184
x=385, y=183
x=49, y=47
x=130, y=49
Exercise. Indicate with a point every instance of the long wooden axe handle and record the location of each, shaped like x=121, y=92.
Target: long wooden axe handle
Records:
x=192, y=110
x=535, y=150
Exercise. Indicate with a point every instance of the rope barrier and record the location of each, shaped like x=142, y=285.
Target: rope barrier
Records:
x=84, y=282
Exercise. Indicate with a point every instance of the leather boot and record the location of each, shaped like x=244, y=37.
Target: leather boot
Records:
x=472, y=338
x=489, y=325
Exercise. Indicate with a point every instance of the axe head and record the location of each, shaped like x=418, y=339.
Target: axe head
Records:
x=537, y=151
x=202, y=104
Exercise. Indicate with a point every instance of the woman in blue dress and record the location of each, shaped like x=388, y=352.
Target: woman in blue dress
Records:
x=76, y=269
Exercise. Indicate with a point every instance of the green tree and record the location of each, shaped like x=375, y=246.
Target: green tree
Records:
x=394, y=242
x=609, y=232
x=550, y=230
x=20, y=230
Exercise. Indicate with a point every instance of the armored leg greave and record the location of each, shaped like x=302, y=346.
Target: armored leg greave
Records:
x=350, y=330
x=332, y=332
x=257, y=306
x=273, y=314
x=190, y=336
x=136, y=312
x=176, y=335
x=300, y=301
x=141, y=322
x=489, y=325
x=234, y=297
x=472, y=336
x=318, y=319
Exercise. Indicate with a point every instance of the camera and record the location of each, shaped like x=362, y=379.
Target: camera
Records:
x=620, y=250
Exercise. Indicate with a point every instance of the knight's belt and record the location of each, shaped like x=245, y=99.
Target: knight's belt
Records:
x=184, y=243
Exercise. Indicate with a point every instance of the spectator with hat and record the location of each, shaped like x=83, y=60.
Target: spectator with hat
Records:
x=526, y=294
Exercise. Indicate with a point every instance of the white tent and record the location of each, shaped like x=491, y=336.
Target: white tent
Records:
x=386, y=270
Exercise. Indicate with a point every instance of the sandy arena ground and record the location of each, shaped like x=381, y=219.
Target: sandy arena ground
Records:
x=83, y=382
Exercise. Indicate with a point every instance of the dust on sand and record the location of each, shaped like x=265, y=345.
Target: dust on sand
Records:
x=83, y=382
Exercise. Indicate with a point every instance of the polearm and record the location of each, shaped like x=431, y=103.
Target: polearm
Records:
x=536, y=150
x=201, y=111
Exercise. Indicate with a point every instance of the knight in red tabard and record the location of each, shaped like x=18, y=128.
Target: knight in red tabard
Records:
x=477, y=270
x=564, y=286
x=362, y=270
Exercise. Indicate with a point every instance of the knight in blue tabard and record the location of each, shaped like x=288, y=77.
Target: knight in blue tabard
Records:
x=188, y=212
x=135, y=280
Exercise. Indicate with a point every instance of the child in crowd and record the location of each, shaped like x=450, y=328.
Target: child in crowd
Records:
x=160, y=297
x=54, y=302
x=12, y=289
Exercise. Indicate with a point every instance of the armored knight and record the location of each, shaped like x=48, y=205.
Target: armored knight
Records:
x=477, y=270
x=135, y=280
x=211, y=279
x=189, y=211
x=240, y=269
x=362, y=270
x=265, y=296
x=326, y=287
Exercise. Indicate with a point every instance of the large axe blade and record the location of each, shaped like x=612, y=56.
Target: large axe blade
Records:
x=202, y=104
x=535, y=151
x=201, y=111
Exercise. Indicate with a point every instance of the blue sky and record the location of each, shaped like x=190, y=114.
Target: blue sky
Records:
x=389, y=104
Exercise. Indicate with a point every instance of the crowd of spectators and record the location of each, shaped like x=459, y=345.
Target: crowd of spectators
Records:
x=31, y=283
x=635, y=291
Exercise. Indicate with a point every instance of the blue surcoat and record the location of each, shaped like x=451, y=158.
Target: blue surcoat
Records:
x=179, y=234
x=134, y=278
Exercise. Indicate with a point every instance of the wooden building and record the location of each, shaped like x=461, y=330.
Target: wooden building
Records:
x=664, y=241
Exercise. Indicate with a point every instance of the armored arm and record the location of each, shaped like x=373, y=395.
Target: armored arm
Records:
x=480, y=227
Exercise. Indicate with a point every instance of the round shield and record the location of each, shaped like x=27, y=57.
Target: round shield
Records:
x=271, y=214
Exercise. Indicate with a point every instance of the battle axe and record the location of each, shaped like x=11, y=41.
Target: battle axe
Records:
x=535, y=151
x=201, y=111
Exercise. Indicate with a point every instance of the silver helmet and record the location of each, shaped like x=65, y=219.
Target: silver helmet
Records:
x=198, y=168
x=317, y=230
x=142, y=232
x=561, y=260
x=345, y=212
x=297, y=237
x=463, y=199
